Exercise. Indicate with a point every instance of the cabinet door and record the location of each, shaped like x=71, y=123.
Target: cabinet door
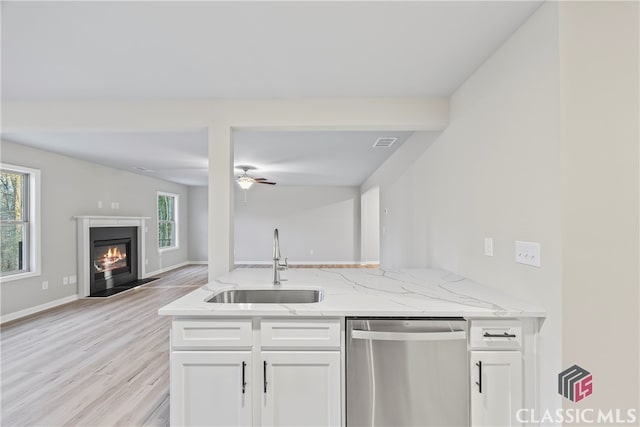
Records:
x=301, y=389
x=207, y=388
x=496, y=387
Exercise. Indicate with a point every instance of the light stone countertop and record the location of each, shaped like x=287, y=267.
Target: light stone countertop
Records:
x=359, y=292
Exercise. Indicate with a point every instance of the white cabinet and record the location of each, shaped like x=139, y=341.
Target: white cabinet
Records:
x=256, y=372
x=496, y=374
x=301, y=388
x=496, y=387
x=210, y=388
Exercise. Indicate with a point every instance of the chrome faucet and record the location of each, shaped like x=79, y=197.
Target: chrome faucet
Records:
x=276, y=259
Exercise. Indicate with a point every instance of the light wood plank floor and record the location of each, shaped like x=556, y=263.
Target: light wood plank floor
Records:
x=93, y=362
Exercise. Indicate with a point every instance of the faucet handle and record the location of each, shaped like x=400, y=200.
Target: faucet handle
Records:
x=285, y=266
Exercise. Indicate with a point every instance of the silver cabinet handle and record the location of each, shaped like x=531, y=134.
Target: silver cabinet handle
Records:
x=357, y=334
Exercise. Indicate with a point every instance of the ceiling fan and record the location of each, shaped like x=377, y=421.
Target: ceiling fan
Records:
x=245, y=181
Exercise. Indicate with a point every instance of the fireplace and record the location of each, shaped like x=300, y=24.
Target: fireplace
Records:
x=111, y=254
x=113, y=257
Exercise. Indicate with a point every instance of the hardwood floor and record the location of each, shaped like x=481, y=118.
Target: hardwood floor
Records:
x=93, y=362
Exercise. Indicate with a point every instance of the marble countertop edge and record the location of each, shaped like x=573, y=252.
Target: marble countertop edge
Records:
x=359, y=292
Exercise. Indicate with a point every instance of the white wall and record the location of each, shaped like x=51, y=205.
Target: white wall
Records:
x=198, y=224
x=599, y=45
x=400, y=161
x=403, y=241
x=493, y=172
x=73, y=187
x=370, y=226
x=325, y=220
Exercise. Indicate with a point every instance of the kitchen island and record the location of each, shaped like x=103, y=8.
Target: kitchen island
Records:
x=359, y=292
x=259, y=364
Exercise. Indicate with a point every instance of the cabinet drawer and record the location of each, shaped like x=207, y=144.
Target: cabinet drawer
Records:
x=495, y=334
x=207, y=333
x=307, y=333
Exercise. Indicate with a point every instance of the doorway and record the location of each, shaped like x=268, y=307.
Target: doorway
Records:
x=370, y=226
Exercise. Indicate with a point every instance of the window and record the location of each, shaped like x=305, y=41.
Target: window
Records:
x=167, y=221
x=19, y=222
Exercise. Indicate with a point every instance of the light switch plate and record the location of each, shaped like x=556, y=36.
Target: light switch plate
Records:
x=488, y=246
x=528, y=253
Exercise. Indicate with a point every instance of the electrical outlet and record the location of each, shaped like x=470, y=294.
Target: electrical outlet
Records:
x=488, y=246
x=45, y=285
x=99, y=204
x=310, y=251
x=528, y=253
x=146, y=261
x=65, y=280
x=113, y=205
x=117, y=205
x=73, y=279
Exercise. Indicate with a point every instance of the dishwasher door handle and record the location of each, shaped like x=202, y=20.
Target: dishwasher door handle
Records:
x=358, y=334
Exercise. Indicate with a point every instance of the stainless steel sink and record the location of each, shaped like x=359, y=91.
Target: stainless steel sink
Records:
x=268, y=296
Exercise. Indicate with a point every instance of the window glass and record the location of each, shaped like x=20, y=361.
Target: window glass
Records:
x=14, y=222
x=167, y=236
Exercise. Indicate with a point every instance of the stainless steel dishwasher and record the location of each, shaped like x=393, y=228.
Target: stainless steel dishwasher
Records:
x=407, y=372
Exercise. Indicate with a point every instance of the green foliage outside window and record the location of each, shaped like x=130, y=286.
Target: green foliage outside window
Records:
x=13, y=221
x=166, y=221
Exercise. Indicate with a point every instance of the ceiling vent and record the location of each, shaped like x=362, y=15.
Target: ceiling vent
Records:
x=385, y=142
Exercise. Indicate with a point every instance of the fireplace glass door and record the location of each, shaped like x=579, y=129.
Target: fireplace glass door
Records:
x=113, y=257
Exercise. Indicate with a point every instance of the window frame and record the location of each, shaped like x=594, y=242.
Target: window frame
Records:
x=33, y=250
x=176, y=205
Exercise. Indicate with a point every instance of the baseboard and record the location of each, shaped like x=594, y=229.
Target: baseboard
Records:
x=38, y=308
x=164, y=270
x=253, y=262
x=173, y=267
x=293, y=262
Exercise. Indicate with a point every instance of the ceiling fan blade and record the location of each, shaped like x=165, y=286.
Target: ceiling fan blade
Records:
x=259, y=179
x=265, y=182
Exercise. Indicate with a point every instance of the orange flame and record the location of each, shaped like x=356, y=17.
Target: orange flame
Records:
x=112, y=255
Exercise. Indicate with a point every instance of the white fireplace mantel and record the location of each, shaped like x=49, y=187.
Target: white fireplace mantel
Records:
x=85, y=223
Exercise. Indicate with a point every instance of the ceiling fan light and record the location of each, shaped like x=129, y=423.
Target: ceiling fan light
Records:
x=245, y=182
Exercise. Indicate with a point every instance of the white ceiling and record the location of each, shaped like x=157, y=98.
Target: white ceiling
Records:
x=86, y=50
x=159, y=49
x=177, y=156
x=313, y=158
x=289, y=158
